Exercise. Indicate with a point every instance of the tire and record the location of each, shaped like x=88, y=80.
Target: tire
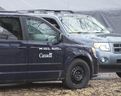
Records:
x=119, y=74
x=77, y=74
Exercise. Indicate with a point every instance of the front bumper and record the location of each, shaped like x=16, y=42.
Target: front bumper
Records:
x=108, y=58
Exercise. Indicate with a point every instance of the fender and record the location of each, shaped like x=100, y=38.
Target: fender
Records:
x=73, y=54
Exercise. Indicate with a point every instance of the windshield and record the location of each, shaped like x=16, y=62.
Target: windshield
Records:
x=85, y=24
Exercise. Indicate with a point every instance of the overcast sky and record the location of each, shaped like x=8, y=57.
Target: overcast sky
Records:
x=60, y=4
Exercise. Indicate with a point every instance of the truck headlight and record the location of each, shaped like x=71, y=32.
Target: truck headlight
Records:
x=102, y=46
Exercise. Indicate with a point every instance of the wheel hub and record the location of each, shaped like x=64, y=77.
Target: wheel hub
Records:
x=77, y=74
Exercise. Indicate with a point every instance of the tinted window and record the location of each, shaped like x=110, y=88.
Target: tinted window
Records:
x=53, y=22
x=5, y=34
x=12, y=24
x=40, y=31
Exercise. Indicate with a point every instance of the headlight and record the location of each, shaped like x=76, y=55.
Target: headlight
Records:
x=102, y=46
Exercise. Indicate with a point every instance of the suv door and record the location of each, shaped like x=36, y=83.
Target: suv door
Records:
x=13, y=50
x=45, y=57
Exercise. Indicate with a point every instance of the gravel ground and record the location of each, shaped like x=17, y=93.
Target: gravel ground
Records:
x=106, y=84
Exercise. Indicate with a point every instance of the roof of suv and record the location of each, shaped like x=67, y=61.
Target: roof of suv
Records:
x=9, y=13
x=12, y=13
x=51, y=13
x=16, y=14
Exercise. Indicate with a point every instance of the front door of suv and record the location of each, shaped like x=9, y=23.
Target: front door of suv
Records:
x=45, y=58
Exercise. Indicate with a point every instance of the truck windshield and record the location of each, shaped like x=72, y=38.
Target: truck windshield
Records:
x=82, y=24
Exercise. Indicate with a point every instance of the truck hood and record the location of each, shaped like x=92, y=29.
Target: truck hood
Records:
x=97, y=37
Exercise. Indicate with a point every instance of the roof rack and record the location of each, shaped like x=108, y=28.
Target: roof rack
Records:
x=45, y=11
x=8, y=11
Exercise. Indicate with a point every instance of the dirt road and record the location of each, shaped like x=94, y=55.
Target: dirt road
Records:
x=104, y=85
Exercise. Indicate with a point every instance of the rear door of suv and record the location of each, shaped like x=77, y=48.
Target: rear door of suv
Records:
x=13, y=50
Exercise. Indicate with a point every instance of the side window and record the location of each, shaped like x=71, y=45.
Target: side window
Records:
x=40, y=31
x=53, y=22
x=12, y=27
x=5, y=34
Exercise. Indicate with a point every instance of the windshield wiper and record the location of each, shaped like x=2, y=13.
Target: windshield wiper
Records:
x=79, y=32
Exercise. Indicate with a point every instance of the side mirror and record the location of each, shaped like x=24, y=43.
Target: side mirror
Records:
x=58, y=39
x=55, y=40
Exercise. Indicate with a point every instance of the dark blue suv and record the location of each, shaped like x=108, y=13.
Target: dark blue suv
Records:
x=32, y=50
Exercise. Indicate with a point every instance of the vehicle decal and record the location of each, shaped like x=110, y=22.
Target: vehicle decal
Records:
x=48, y=48
x=43, y=55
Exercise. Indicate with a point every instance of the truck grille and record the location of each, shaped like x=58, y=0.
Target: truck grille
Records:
x=117, y=48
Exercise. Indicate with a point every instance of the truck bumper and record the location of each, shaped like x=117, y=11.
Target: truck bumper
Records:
x=108, y=58
x=109, y=62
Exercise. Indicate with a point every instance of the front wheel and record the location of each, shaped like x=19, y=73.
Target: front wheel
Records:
x=77, y=74
x=119, y=74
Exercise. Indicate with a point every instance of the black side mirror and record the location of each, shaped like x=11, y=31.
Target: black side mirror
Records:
x=58, y=39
